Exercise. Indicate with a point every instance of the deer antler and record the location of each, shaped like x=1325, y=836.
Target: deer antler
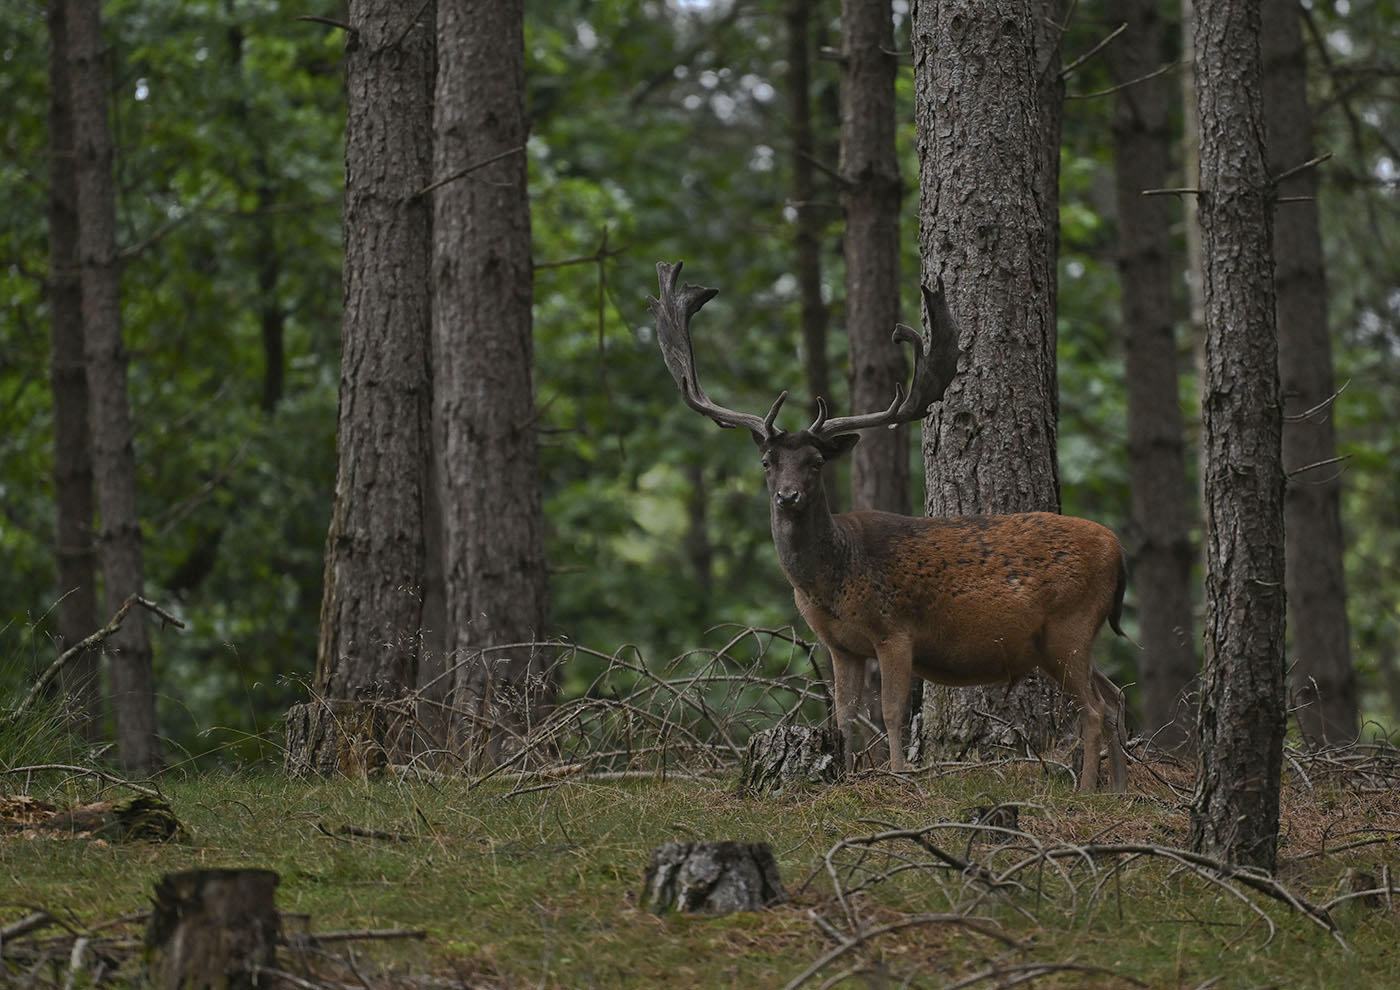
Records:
x=935, y=364
x=672, y=313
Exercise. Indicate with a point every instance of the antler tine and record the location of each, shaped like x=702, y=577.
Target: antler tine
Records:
x=935, y=365
x=817, y=423
x=768, y=420
x=672, y=313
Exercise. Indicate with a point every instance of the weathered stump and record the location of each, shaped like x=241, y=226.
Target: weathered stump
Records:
x=712, y=878
x=343, y=738
x=212, y=928
x=791, y=755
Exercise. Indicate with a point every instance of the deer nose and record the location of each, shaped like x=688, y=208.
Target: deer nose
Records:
x=788, y=498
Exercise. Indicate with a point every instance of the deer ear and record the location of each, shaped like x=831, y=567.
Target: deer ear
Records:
x=835, y=447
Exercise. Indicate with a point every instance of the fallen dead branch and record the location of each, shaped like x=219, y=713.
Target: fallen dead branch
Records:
x=857, y=863
x=110, y=778
x=981, y=926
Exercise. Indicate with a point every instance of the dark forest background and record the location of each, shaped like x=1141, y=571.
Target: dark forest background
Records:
x=657, y=131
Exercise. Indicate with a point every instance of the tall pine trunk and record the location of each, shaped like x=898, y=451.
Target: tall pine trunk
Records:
x=113, y=456
x=371, y=609
x=1159, y=547
x=1324, y=681
x=984, y=229
x=72, y=440
x=808, y=226
x=870, y=198
x=1234, y=814
x=484, y=397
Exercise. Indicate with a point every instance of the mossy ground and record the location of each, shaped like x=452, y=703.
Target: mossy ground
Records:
x=534, y=882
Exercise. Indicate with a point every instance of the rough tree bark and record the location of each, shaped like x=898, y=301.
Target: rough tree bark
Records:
x=870, y=198
x=1324, y=682
x=990, y=445
x=1234, y=813
x=72, y=440
x=371, y=606
x=1159, y=547
x=113, y=457
x=484, y=398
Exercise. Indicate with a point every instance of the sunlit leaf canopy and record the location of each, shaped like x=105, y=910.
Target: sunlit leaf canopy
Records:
x=658, y=133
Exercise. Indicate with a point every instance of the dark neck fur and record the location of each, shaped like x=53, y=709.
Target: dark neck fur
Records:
x=813, y=548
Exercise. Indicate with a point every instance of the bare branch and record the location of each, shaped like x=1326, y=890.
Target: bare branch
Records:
x=1065, y=72
x=329, y=22
x=1340, y=459
x=1110, y=91
x=463, y=173
x=1310, y=163
x=86, y=644
x=982, y=926
x=111, y=778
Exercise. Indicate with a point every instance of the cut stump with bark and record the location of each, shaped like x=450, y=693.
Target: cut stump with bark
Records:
x=212, y=928
x=712, y=878
x=342, y=738
x=791, y=756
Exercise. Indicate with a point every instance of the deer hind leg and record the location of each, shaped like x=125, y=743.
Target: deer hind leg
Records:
x=1116, y=724
x=848, y=684
x=896, y=673
x=1067, y=660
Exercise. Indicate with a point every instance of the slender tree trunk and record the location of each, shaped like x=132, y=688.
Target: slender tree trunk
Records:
x=372, y=604
x=870, y=197
x=272, y=318
x=113, y=458
x=484, y=402
x=804, y=190
x=984, y=230
x=1325, y=683
x=1234, y=814
x=699, y=552
x=266, y=258
x=1050, y=106
x=72, y=441
x=1160, y=552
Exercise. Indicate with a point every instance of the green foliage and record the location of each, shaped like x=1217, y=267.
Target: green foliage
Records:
x=658, y=134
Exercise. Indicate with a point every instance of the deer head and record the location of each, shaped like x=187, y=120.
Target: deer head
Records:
x=793, y=461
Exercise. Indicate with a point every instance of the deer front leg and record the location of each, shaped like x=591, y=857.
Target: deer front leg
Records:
x=896, y=673
x=847, y=681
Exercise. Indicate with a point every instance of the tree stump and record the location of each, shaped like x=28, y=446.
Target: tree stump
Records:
x=343, y=738
x=712, y=878
x=212, y=928
x=791, y=755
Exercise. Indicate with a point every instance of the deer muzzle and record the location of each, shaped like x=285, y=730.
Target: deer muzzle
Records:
x=788, y=498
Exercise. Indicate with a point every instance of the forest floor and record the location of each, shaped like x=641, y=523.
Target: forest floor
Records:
x=534, y=881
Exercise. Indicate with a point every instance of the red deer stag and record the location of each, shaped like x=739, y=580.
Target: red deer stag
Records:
x=960, y=601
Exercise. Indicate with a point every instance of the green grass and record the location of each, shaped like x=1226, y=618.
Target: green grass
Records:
x=540, y=887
